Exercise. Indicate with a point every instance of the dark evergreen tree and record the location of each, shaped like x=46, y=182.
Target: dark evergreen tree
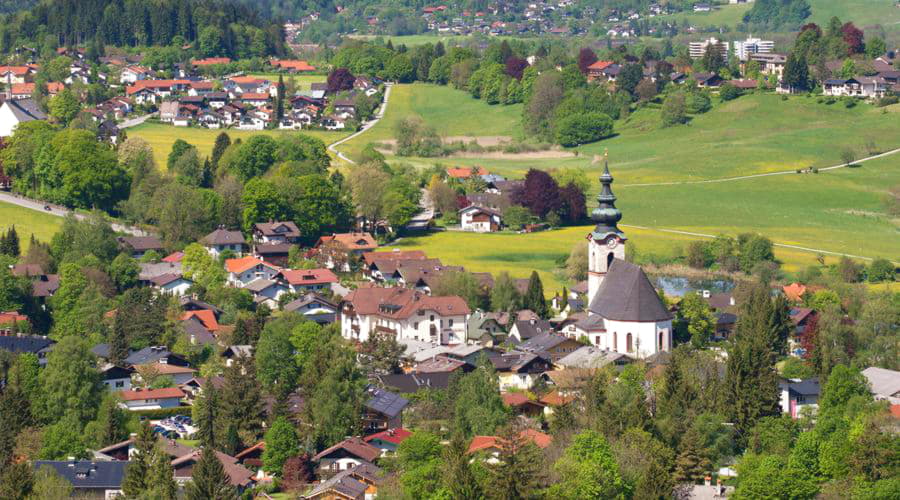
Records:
x=750, y=377
x=209, y=479
x=796, y=73
x=279, y=99
x=222, y=143
x=9, y=243
x=137, y=474
x=118, y=341
x=458, y=477
x=534, y=297
x=16, y=481
x=518, y=472
x=241, y=400
x=207, y=414
x=15, y=415
x=691, y=465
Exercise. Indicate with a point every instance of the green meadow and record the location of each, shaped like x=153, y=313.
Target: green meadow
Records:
x=160, y=136
x=28, y=222
x=838, y=211
x=863, y=13
x=302, y=81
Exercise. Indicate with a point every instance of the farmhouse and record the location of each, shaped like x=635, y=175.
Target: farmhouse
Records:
x=405, y=314
x=222, y=239
x=479, y=219
x=868, y=87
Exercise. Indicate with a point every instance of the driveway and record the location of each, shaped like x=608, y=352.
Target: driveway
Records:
x=61, y=211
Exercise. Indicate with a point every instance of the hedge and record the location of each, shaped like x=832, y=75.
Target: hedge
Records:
x=161, y=413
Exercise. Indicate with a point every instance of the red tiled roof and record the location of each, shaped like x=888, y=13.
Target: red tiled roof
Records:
x=395, y=436
x=154, y=84
x=353, y=241
x=21, y=89
x=211, y=60
x=254, y=96
x=174, y=257
x=479, y=443
x=242, y=264
x=166, y=369
x=246, y=79
x=600, y=65
x=794, y=291
x=202, y=85
x=539, y=438
x=355, y=446
x=465, y=172
x=309, y=276
x=400, y=303
x=207, y=317
x=895, y=411
x=517, y=399
x=141, y=394
x=295, y=65
x=55, y=87
x=16, y=70
x=556, y=399
x=12, y=317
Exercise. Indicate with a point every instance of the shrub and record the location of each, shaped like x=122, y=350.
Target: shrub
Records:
x=697, y=103
x=880, y=270
x=849, y=103
x=674, y=110
x=729, y=92
x=578, y=129
x=815, y=170
x=887, y=101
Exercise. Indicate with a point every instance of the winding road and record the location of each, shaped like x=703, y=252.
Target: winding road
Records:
x=61, y=211
x=366, y=126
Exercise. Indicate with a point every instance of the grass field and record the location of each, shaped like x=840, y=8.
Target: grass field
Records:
x=28, y=222
x=451, y=112
x=863, y=13
x=160, y=136
x=728, y=15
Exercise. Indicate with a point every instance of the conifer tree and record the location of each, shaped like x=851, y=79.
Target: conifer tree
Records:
x=241, y=401
x=750, y=377
x=518, y=472
x=458, y=477
x=110, y=426
x=504, y=296
x=118, y=341
x=162, y=480
x=279, y=99
x=691, y=465
x=209, y=479
x=207, y=414
x=137, y=474
x=16, y=481
x=9, y=243
x=534, y=297
x=222, y=143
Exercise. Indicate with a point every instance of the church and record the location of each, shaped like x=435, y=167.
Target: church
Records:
x=625, y=314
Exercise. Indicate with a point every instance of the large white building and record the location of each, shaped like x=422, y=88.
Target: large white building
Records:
x=698, y=49
x=743, y=50
x=625, y=314
x=13, y=112
x=406, y=314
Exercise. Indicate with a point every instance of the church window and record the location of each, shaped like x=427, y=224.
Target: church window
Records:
x=662, y=341
x=615, y=341
x=628, y=344
x=609, y=259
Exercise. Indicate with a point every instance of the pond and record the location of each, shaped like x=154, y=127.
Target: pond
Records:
x=677, y=286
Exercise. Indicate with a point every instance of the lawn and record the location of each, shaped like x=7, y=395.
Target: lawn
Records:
x=863, y=13
x=302, y=81
x=28, y=222
x=161, y=136
x=724, y=15
x=451, y=112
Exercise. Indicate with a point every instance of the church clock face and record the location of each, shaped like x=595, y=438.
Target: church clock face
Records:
x=611, y=243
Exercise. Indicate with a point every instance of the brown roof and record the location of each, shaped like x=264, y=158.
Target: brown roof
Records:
x=166, y=369
x=627, y=295
x=355, y=446
x=370, y=257
x=309, y=276
x=289, y=229
x=401, y=303
x=238, y=475
x=516, y=399
x=353, y=241
x=141, y=394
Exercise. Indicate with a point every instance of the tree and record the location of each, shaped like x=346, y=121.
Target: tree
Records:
x=843, y=383
x=534, y=297
x=179, y=147
x=540, y=104
x=701, y=324
x=458, y=477
x=629, y=77
x=712, y=59
x=64, y=106
x=574, y=130
x=110, y=425
x=539, y=193
x=853, y=38
x=586, y=57
x=518, y=472
x=201, y=268
x=253, y=157
x=646, y=90
x=70, y=381
x=479, y=409
x=750, y=377
x=796, y=72
x=241, y=400
x=339, y=79
x=9, y=242
x=124, y=271
x=221, y=144
x=78, y=170
x=645, y=463
x=674, y=109
x=588, y=469
x=276, y=374
x=880, y=270
x=380, y=353
x=462, y=284
x=336, y=400
x=691, y=465
x=206, y=414
x=49, y=485
x=137, y=474
x=297, y=472
x=16, y=481
x=400, y=69
x=505, y=296
x=209, y=479
x=729, y=92
x=515, y=66
x=419, y=459
x=281, y=444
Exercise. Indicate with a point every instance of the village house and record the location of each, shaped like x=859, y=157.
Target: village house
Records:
x=595, y=70
x=89, y=479
x=308, y=280
x=131, y=74
x=383, y=410
x=314, y=307
x=797, y=394
x=221, y=240
x=345, y=455
x=137, y=246
x=350, y=244
x=388, y=440
x=148, y=399
x=15, y=74
x=869, y=87
x=404, y=313
x=171, y=284
x=38, y=345
x=360, y=482
x=238, y=476
x=479, y=219
x=276, y=232
x=518, y=370
x=242, y=271
x=550, y=346
x=16, y=111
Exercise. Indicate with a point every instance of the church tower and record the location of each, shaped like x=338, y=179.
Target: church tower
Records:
x=606, y=242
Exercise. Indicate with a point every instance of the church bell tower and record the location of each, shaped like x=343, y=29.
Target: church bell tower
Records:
x=606, y=242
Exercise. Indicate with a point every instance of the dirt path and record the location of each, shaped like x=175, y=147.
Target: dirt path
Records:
x=366, y=126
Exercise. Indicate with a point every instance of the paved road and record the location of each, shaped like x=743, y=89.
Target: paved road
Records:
x=134, y=122
x=60, y=211
x=754, y=176
x=366, y=126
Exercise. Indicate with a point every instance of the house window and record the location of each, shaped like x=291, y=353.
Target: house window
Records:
x=615, y=341
x=416, y=325
x=120, y=383
x=628, y=343
x=451, y=322
x=432, y=317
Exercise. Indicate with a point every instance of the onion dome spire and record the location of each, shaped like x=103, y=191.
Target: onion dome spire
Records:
x=606, y=215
